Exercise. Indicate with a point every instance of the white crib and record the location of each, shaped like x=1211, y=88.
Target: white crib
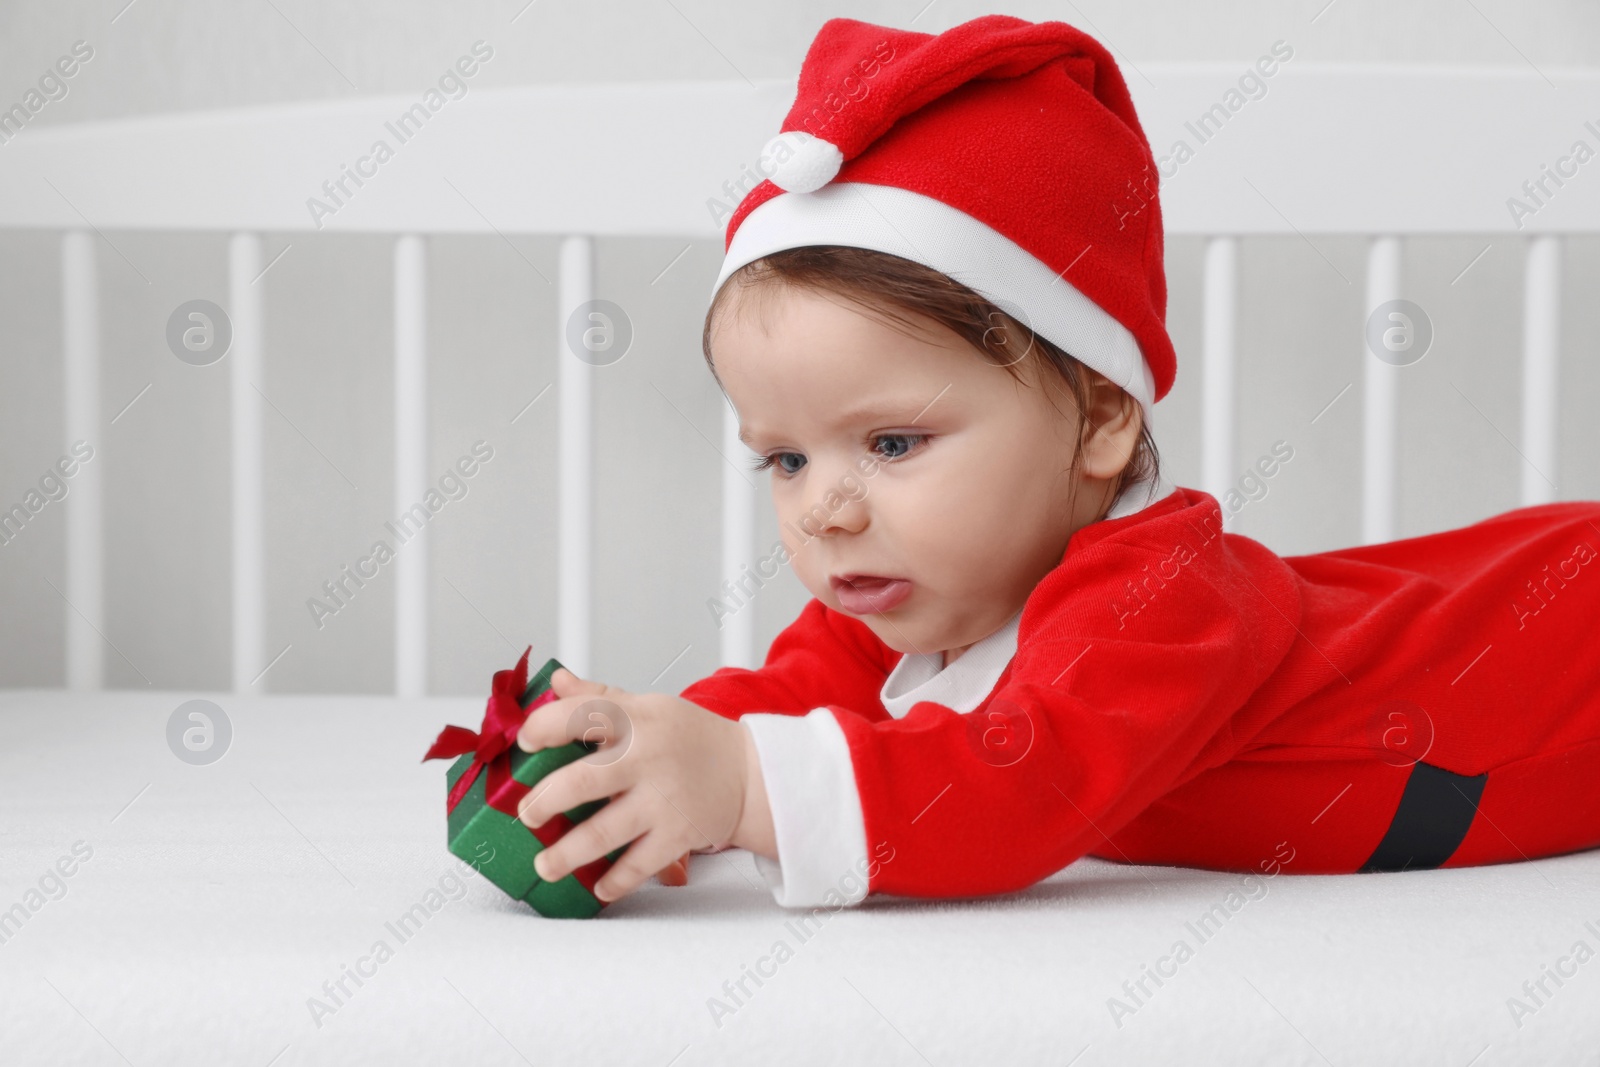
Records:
x=1376, y=152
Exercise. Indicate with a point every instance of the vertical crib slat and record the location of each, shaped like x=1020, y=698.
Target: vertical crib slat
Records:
x=80, y=332
x=1217, y=368
x=576, y=461
x=1541, y=347
x=248, y=463
x=411, y=462
x=1380, y=385
x=738, y=546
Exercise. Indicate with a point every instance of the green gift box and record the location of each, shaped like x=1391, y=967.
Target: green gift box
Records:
x=485, y=785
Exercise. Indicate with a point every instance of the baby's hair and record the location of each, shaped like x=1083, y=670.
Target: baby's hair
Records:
x=906, y=291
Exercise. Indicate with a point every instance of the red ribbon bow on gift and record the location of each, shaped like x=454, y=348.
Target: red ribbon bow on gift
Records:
x=502, y=718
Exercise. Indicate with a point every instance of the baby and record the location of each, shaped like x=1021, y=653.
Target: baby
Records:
x=941, y=324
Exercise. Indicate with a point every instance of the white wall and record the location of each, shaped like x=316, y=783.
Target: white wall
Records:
x=165, y=55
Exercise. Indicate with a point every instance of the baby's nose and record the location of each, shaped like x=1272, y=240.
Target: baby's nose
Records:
x=832, y=509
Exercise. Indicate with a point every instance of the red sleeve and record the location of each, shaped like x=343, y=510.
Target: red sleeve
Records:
x=1133, y=655
x=822, y=658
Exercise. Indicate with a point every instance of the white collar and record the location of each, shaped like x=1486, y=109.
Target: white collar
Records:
x=965, y=683
x=962, y=685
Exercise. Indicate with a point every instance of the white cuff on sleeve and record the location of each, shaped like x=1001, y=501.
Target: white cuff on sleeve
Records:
x=816, y=810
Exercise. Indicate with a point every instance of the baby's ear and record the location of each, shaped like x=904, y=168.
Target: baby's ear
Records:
x=1112, y=421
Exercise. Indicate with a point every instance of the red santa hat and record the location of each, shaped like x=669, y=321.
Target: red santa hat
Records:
x=1003, y=153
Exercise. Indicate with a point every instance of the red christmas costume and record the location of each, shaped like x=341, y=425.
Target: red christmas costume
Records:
x=1194, y=699
x=1169, y=693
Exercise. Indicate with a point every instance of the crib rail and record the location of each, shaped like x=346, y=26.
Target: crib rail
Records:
x=1379, y=152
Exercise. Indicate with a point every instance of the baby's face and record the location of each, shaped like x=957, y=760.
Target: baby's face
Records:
x=901, y=457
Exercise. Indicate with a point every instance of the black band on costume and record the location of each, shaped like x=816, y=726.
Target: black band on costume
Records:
x=1432, y=819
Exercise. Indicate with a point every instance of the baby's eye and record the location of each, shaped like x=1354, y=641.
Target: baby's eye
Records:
x=776, y=459
x=902, y=450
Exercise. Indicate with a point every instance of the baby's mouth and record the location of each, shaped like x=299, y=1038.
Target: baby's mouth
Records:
x=869, y=594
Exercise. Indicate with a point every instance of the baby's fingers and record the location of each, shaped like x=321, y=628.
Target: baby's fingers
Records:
x=607, y=829
x=565, y=788
x=676, y=872
x=644, y=857
x=595, y=719
x=567, y=684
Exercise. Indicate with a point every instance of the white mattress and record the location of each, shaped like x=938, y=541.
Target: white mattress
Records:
x=223, y=897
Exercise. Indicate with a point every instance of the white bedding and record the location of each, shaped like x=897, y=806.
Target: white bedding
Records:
x=218, y=902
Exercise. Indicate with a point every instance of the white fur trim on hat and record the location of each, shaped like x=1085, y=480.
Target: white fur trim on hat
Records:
x=927, y=231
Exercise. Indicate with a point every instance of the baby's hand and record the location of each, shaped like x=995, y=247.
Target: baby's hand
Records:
x=676, y=872
x=677, y=775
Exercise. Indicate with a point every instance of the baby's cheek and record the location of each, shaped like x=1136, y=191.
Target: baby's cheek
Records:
x=816, y=584
x=947, y=545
